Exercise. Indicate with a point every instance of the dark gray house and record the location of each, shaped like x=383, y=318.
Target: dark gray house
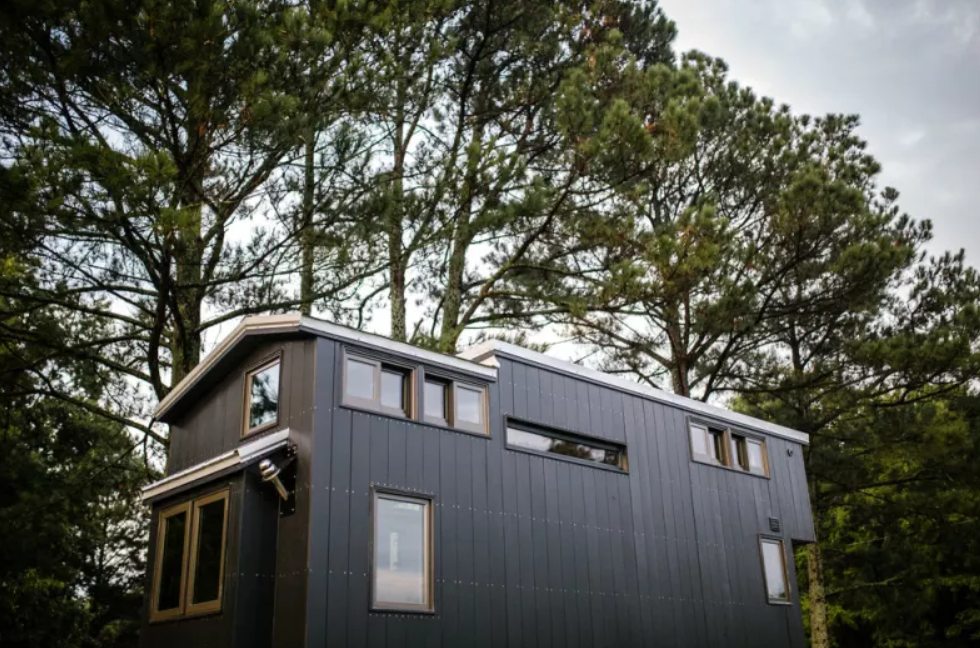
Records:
x=332, y=488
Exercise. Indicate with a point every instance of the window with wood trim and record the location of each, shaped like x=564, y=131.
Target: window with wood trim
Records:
x=189, y=565
x=723, y=447
x=455, y=404
x=774, y=570
x=402, y=560
x=374, y=384
x=566, y=445
x=262, y=397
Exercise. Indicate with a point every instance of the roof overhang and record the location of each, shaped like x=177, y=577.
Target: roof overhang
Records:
x=296, y=323
x=223, y=464
x=486, y=352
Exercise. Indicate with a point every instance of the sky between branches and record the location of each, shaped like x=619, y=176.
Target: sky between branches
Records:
x=910, y=68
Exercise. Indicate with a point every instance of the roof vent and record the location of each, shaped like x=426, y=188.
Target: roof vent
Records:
x=774, y=525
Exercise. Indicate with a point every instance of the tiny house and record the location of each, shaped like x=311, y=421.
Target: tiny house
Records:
x=331, y=488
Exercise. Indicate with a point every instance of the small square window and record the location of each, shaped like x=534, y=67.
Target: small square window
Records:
x=755, y=456
x=190, y=554
x=262, y=397
x=436, y=401
x=723, y=447
x=739, y=453
x=377, y=385
x=774, y=570
x=402, y=560
x=469, y=408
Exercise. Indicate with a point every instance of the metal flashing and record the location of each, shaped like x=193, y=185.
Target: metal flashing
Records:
x=241, y=456
x=486, y=352
x=294, y=322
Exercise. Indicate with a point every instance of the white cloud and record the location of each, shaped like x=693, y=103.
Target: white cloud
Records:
x=911, y=138
x=859, y=15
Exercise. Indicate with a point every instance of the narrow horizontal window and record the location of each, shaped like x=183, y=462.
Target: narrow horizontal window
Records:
x=455, y=404
x=774, y=569
x=402, y=561
x=567, y=445
x=262, y=397
x=378, y=385
x=190, y=555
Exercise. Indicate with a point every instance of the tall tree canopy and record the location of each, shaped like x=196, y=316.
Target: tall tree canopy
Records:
x=443, y=170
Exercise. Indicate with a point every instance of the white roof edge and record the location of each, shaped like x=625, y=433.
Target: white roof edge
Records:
x=296, y=322
x=249, y=325
x=486, y=350
x=432, y=357
x=240, y=456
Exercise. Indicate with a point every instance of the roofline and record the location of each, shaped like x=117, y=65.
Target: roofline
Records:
x=248, y=326
x=487, y=350
x=295, y=322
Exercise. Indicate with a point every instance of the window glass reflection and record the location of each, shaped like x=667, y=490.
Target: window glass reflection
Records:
x=400, y=552
x=562, y=446
x=264, y=397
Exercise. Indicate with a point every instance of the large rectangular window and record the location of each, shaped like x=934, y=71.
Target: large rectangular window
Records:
x=402, y=560
x=774, y=570
x=723, y=447
x=262, y=397
x=566, y=445
x=374, y=384
x=190, y=556
x=455, y=404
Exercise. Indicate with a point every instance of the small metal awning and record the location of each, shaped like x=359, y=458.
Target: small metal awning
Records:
x=228, y=462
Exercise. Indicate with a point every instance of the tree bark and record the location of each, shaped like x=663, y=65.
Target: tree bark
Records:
x=307, y=233
x=819, y=629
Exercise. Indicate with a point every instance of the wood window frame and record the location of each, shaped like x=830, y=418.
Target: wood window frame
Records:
x=257, y=368
x=447, y=403
x=572, y=437
x=215, y=605
x=727, y=460
x=188, y=563
x=155, y=613
x=379, y=364
x=763, y=540
x=428, y=500
x=452, y=387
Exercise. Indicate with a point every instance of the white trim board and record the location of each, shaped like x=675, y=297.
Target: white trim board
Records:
x=486, y=351
x=240, y=456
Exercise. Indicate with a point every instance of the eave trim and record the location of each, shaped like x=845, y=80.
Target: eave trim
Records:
x=486, y=351
x=235, y=459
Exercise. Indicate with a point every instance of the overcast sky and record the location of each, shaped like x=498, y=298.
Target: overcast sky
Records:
x=909, y=68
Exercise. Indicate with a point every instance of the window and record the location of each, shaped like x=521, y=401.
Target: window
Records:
x=567, y=445
x=726, y=448
x=774, y=570
x=756, y=457
x=708, y=444
x=377, y=385
x=262, y=397
x=402, y=556
x=190, y=557
x=455, y=404
x=436, y=397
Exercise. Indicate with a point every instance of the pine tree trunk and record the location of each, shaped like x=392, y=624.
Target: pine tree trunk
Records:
x=307, y=234
x=819, y=629
x=185, y=347
x=397, y=258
